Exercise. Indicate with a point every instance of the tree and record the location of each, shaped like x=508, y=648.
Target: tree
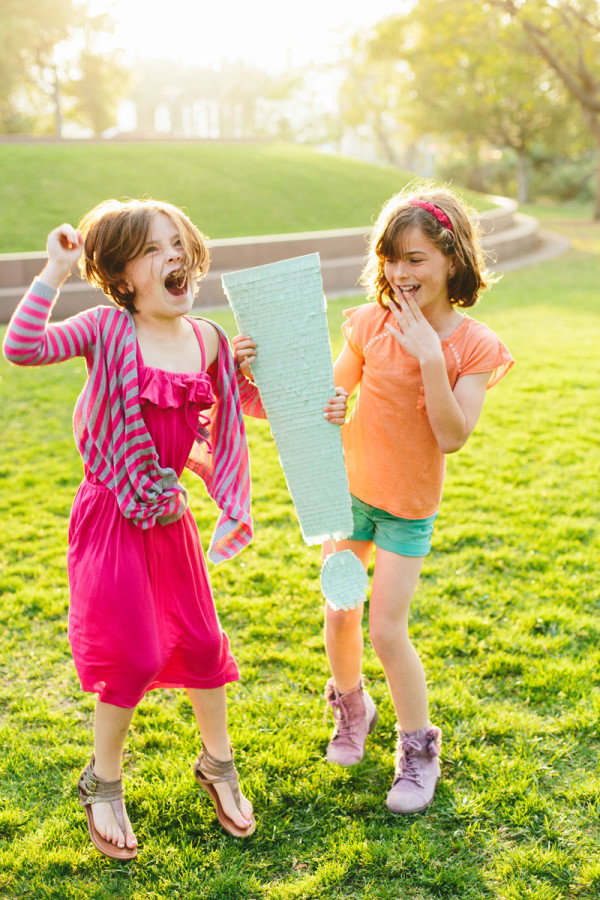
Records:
x=373, y=100
x=566, y=35
x=471, y=80
x=101, y=82
x=41, y=45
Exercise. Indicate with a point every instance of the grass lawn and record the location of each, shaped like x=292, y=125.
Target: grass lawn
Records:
x=572, y=220
x=563, y=215
x=506, y=618
x=229, y=190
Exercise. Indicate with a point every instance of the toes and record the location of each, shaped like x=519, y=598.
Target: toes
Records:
x=108, y=828
x=130, y=838
x=115, y=836
x=246, y=808
x=240, y=816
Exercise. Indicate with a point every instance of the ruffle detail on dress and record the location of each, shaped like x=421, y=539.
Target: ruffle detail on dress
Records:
x=167, y=390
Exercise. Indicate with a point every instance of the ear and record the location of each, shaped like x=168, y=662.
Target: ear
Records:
x=124, y=288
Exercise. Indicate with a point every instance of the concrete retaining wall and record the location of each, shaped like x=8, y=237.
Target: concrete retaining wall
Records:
x=506, y=235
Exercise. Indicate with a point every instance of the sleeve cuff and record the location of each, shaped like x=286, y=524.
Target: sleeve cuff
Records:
x=43, y=290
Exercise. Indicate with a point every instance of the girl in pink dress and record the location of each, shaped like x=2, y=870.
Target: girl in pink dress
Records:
x=160, y=396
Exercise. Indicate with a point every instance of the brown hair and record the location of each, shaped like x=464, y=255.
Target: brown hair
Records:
x=460, y=242
x=115, y=232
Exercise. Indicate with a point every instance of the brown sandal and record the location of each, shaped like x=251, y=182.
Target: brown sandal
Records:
x=209, y=771
x=91, y=790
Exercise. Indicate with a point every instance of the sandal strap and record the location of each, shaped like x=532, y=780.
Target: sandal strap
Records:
x=210, y=770
x=92, y=789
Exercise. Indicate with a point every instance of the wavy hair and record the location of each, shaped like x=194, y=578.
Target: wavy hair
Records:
x=115, y=232
x=461, y=242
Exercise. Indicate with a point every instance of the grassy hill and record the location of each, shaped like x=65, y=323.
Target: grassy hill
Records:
x=229, y=190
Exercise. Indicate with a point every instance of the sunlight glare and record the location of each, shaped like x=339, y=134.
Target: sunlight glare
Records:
x=270, y=35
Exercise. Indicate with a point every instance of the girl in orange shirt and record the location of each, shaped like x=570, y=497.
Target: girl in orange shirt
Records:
x=422, y=369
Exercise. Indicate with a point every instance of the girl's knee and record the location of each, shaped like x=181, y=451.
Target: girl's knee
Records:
x=342, y=621
x=388, y=638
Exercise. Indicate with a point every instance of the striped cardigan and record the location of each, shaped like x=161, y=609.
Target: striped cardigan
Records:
x=110, y=432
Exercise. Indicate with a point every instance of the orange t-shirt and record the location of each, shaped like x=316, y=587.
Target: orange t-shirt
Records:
x=392, y=457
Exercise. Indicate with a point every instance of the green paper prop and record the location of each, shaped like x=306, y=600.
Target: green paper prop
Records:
x=281, y=306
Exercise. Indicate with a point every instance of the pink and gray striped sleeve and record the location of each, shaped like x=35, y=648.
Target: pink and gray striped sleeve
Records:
x=31, y=341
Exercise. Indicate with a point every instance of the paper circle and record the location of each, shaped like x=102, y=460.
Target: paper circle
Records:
x=344, y=580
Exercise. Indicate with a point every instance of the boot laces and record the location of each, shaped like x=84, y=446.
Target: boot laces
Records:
x=408, y=766
x=345, y=723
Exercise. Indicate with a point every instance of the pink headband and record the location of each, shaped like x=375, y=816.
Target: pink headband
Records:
x=435, y=211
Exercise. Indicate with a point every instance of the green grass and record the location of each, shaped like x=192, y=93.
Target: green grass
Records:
x=229, y=190
x=552, y=214
x=506, y=619
x=572, y=220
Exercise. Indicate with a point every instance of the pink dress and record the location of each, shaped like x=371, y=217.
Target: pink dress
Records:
x=142, y=614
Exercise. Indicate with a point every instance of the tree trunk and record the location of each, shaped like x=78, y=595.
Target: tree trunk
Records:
x=57, y=109
x=385, y=143
x=597, y=198
x=594, y=121
x=522, y=178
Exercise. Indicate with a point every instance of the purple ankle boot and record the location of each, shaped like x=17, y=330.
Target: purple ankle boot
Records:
x=417, y=770
x=355, y=717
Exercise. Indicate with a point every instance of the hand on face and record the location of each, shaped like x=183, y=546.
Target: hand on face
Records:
x=414, y=333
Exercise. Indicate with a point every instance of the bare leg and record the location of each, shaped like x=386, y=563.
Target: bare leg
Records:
x=110, y=731
x=394, y=583
x=210, y=710
x=343, y=628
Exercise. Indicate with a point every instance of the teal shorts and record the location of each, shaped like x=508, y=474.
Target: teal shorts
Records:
x=407, y=537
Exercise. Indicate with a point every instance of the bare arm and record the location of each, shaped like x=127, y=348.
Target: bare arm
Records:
x=347, y=370
x=452, y=414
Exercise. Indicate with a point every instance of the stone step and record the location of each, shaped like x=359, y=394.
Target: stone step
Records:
x=508, y=236
x=520, y=238
x=339, y=276
x=500, y=217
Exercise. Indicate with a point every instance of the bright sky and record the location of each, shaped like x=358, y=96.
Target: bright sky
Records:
x=269, y=33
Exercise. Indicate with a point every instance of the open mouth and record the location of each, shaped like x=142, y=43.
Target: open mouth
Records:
x=176, y=283
x=402, y=292
x=410, y=289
